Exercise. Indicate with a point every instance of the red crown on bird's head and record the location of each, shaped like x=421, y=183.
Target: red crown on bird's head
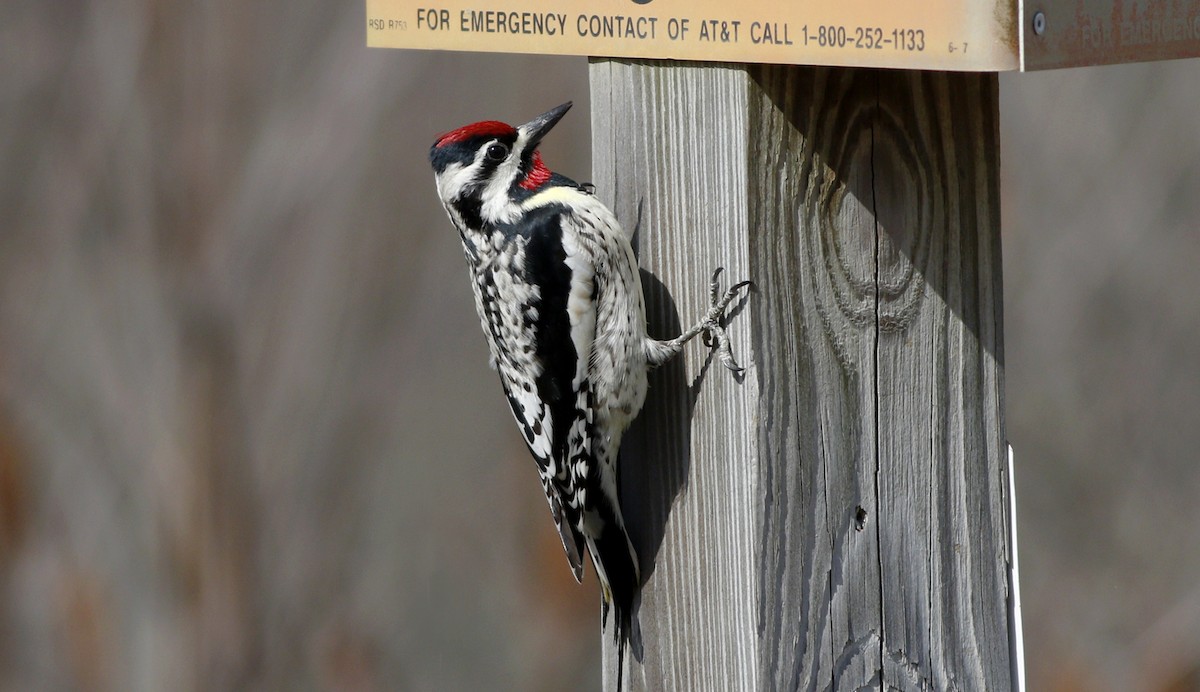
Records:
x=487, y=128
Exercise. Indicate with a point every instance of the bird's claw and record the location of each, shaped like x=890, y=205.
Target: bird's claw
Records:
x=714, y=332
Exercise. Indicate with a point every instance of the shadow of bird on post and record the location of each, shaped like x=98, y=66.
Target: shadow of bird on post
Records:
x=655, y=462
x=655, y=456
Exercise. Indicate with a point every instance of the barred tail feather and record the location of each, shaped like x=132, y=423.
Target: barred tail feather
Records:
x=617, y=568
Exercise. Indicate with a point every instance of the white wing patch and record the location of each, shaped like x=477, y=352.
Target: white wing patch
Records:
x=581, y=305
x=561, y=194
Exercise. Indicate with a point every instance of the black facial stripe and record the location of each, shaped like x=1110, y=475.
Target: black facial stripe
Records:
x=470, y=208
x=464, y=152
x=488, y=167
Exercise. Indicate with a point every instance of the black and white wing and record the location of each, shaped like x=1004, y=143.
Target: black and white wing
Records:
x=548, y=389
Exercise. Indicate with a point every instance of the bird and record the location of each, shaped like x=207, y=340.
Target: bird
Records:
x=558, y=294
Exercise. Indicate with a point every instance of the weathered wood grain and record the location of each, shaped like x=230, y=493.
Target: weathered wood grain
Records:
x=690, y=506
x=837, y=520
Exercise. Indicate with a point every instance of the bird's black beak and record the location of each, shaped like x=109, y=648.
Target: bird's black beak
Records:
x=538, y=127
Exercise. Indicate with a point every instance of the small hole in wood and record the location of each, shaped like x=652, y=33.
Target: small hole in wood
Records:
x=860, y=518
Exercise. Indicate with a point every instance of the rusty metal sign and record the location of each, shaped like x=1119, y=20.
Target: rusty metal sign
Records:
x=1100, y=32
x=965, y=35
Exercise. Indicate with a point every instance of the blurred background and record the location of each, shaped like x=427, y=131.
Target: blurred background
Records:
x=248, y=437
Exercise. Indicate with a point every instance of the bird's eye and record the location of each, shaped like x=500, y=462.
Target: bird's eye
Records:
x=496, y=152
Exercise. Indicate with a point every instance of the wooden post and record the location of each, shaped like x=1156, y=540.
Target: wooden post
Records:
x=838, y=519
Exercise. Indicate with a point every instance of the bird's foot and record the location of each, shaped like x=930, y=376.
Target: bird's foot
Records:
x=714, y=331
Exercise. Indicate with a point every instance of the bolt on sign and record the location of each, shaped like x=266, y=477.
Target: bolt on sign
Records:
x=966, y=35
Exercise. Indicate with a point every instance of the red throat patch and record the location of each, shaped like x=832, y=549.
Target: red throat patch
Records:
x=487, y=128
x=538, y=174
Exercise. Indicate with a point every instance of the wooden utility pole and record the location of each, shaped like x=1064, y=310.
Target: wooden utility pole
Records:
x=839, y=518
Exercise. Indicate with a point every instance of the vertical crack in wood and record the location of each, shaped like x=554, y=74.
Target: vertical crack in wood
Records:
x=930, y=499
x=875, y=384
x=841, y=661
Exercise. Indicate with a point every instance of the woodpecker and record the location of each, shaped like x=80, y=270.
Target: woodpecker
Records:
x=560, y=300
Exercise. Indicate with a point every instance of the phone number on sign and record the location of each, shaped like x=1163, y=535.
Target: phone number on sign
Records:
x=862, y=37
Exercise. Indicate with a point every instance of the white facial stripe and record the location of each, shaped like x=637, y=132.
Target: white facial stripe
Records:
x=497, y=206
x=457, y=178
x=454, y=179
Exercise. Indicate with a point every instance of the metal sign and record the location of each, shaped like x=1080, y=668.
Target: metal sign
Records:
x=1101, y=32
x=966, y=35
